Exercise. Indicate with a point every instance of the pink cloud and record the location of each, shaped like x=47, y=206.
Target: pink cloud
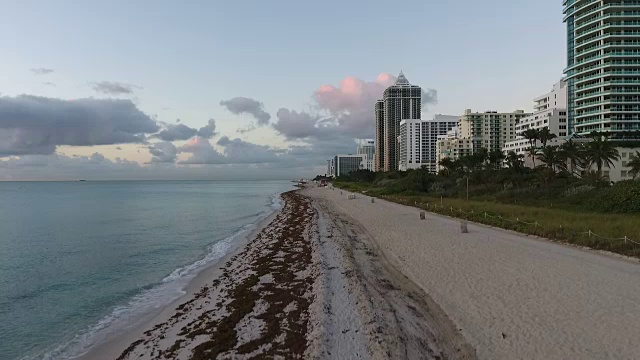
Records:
x=353, y=95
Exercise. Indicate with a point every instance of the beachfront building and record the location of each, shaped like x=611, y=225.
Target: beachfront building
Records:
x=331, y=168
x=379, y=142
x=368, y=148
x=550, y=111
x=620, y=169
x=452, y=146
x=490, y=130
x=344, y=164
x=418, y=138
x=400, y=101
x=603, y=65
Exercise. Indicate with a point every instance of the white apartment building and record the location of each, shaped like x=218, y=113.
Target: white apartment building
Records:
x=550, y=111
x=344, y=164
x=417, y=141
x=331, y=168
x=452, y=146
x=368, y=148
x=490, y=130
x=619, y=171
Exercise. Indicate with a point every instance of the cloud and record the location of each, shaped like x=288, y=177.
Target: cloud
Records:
x=61, y=167
x=163, y=152
x=37, y=125
x=97, y=167
x=429, y=97
x=41, y=71
x=48, y=83
x=246, y=129
x=202, y=152
x=240, y=105
x=114, y=88
x=238, y=151
x=173, y=132
x=296, y=125
x=209, y=130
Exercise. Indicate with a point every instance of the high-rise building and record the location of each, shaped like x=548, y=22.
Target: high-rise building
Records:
x=379, y=152
x=603, y=65
x=490, y=130
x=550, y=111
x=400, y=101
x=368, y=148
x=331, y=168
x=418, y=139
x=344, y=164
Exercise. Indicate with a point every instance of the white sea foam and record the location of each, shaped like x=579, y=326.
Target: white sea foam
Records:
x=125, y=317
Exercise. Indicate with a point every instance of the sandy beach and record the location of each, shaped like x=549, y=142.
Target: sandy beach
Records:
x=308, y=285
x=330, y=277
x=511, y=296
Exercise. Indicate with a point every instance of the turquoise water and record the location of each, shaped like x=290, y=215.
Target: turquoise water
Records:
x=80, y=261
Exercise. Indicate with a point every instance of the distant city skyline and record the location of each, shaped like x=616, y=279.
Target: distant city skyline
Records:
x=220, y=90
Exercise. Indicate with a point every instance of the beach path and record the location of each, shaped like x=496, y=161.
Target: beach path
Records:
x=511, y=296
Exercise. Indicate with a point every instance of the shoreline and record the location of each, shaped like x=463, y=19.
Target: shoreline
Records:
x=310, y=283
x=112, y=347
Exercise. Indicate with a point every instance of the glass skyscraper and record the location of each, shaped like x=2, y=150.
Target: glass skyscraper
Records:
x=401, y=101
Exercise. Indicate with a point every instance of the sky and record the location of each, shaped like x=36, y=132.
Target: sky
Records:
x=225, y=90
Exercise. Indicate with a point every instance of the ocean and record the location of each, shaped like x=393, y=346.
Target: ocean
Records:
x=81, y=261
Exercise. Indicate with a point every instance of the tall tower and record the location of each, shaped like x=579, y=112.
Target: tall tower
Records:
x=603, y=65
x=401, y=101
x=379, y=142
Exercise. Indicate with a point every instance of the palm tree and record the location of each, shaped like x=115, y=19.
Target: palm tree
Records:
x=551, y=157
x=514, y=161
x=448, y=165
x=601, y=151
x=572, y=153
x=545, y=136
x=532, y=152
x=496, y=157
x=480, y=157
x=532, y=135
x=634, y=163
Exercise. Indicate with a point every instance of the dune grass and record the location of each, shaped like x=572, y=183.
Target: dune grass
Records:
x=593, y=230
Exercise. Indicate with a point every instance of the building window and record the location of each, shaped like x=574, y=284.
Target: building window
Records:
x=623, y=173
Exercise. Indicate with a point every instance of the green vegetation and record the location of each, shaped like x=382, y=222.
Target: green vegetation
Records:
x=549, y=201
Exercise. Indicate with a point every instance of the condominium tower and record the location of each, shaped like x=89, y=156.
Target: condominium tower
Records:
x=490, y=130
x=367, y=148
x=400, y=101
x=603, y=65
x=418, y=138
x=379, y=152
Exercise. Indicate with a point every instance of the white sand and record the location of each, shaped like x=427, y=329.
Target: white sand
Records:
x=512, y=296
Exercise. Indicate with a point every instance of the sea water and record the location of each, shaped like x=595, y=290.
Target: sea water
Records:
x=81, y=261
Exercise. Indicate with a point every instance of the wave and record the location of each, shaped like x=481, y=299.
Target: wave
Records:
x=154, y=298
